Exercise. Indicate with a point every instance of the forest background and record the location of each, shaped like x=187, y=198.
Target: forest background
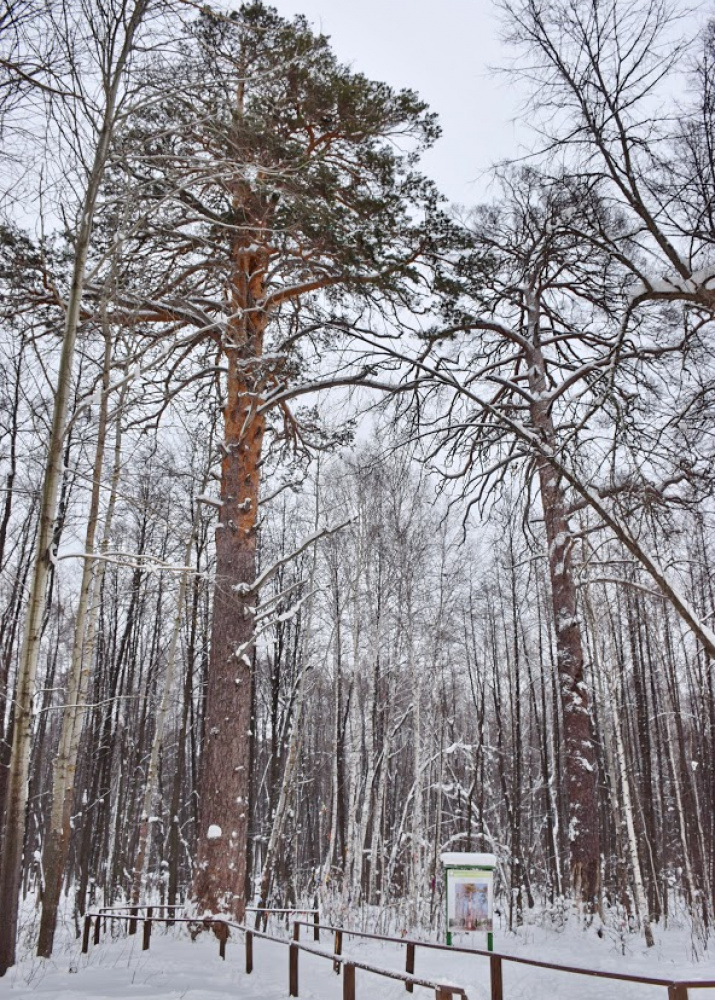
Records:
x=340, y=527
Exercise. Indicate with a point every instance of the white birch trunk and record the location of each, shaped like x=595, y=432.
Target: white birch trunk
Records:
x=376, y=838
x=640, y=894
x=65, y=763
x=334, y=777
x=11, y=866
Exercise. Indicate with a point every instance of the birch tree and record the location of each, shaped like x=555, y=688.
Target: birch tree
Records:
x=98, y=49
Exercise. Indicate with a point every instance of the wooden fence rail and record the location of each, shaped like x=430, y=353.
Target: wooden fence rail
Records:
x=265, y=912
x=677, y=989
x=442, y=990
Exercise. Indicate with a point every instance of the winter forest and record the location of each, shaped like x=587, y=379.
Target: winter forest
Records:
x=341, y=526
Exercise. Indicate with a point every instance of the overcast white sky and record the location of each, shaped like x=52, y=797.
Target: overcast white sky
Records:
x=444, y=51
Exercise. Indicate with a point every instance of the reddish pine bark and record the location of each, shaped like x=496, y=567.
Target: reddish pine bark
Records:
x=219, y=880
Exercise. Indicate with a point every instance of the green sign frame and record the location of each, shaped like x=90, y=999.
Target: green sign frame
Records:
x=469, y=899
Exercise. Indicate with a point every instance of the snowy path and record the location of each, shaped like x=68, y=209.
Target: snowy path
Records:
x=178, y=969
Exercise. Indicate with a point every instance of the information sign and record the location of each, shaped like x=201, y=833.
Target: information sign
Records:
x=469, y=894
x=470, y=900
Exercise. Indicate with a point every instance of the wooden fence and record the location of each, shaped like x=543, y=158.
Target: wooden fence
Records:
x=221, y=927
x=677, y=989
x=149, y=915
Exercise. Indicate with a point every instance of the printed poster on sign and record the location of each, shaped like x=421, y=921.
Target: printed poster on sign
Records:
x=470, y=900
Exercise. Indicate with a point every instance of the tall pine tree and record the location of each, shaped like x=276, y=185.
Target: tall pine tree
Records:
x=275, y=200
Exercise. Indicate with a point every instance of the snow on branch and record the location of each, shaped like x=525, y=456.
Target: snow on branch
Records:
x=675, y=286
x=267, y=621
x=133, y=560
x=245, y=589
x=270, y=618
x=273, y=600
x=209, y=501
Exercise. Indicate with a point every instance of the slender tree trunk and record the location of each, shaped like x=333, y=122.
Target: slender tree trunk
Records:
x=417, y=834
x=174, y=844
x=622, y=761
x=335, y=789
x=11, y=864
x=11, y=459
x=62, y=794
x=641, y=899
x=89, y=649
x=378, y=810
x=8, y=635
x=290, y=772
x=167, y=693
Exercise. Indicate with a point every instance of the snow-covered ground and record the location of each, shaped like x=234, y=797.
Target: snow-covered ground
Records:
x=175, y=968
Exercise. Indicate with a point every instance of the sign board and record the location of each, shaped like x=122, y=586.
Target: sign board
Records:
x=469, y=884
x=470, y=900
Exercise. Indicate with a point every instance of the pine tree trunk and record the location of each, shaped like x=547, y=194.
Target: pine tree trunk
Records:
x=578, y=743
x=220, y=875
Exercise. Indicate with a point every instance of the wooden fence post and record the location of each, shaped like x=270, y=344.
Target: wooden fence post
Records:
x=221, y=931
x=496, y=978
x=443, y=993
x=676, y=991
x=338, y=950
x=249, y=953
x=97, y=928
x=85, y=934
x=147, y=928
x=296, y=930
x=316, y=926
x=133, y=921
x=349, y=982
x=410, y=966
x=292, y=970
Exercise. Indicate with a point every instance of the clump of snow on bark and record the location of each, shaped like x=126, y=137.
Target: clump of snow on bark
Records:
x=214, y=832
